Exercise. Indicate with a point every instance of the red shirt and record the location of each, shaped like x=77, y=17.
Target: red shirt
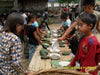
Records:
x=88, y=53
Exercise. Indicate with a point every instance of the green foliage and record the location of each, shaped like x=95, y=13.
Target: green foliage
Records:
x=66, y=53
x=43, y=52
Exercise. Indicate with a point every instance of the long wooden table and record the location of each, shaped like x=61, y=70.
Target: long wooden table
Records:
x=38, y=64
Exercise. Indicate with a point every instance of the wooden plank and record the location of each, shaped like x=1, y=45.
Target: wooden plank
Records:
x=35, y=60
x=48, y=64
x=60, y=71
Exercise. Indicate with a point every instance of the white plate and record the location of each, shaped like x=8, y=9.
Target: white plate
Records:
x=55, y=35
x=54, y=56
x=54, y=31
x=55, y=51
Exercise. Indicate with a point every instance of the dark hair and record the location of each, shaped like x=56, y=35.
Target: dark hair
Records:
x=30, y=17
x=46, y=9
x=12, y=20
x=88, y=2
x=40, y=26
x=64, y=16
x=88, y=18
x=37, y=16
x=43, y=22
x=22, y=10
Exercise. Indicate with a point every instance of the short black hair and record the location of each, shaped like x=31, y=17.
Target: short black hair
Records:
x=30, y=17
x=43, y=22
x=64, y=16
x=22, y=10
x=88, y=18
x=40, y=26
x=88, y=2
x=46, y=9
x=37, y=16
x=12, y=20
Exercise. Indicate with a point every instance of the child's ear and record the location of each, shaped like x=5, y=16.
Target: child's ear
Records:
x=91, y=26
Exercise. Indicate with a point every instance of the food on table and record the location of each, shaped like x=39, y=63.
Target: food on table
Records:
x=43, y=52
x=55, y=56
x=66, y=53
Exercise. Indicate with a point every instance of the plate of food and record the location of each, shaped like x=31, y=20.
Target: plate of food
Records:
x=55, y=50
x=54, y=56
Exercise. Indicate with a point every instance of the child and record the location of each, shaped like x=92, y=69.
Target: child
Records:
x=30, y=19
x=72, y=40
x=41, y=30
x=66, y=22
x=36, y=25
x=44, y=25
x=88, y=6
x=33, y=37
x=89, y=45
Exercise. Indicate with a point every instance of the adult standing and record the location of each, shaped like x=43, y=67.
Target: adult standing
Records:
x=10, y=46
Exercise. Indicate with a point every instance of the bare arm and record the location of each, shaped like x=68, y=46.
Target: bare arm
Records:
x=36, y=37
x=98, y=25
x=68, y=31
x=37, y=29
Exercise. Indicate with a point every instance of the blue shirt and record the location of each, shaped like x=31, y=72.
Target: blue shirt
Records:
x=66, y=23
x=35, y=24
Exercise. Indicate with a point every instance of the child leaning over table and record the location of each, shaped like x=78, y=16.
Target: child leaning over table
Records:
x=89, y=46
x=66, y=22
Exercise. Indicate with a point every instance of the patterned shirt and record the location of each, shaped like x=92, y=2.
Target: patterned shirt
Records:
x=10, y=54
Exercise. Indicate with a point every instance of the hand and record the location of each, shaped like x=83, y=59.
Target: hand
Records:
x=42, y=37
x=45, y=34
x=27, y=72
x=67, y=42
x=40, y=42
x=68, y=67
x=90, y=70
x=60, y=38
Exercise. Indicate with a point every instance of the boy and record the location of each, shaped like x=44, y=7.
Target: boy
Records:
x=86, y=55
x=35, y=24
x=88, y=7
x=66, y=22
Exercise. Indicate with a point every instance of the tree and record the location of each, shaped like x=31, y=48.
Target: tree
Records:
x=66, y=1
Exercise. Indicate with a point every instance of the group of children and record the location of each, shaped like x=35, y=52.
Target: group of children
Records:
x=86, y=49
x=87, y=53
x=35, y=33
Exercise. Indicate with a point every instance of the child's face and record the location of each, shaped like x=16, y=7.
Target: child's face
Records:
x=63, y=19
x=88, y=8
x=44, y=24
x=38, y=19
x=19, y=28
x=83, y=27
x=32, y=20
